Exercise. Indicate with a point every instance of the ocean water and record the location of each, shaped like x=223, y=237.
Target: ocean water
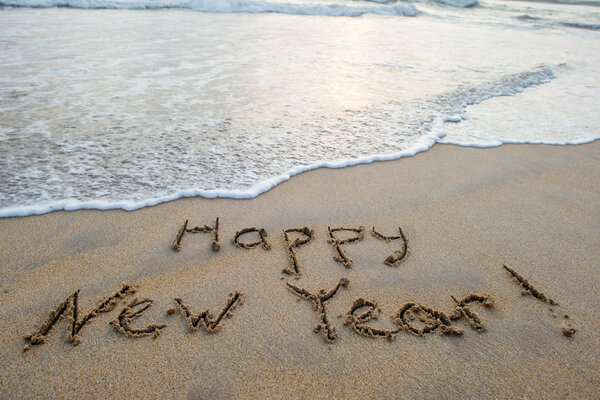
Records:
x=129, y=103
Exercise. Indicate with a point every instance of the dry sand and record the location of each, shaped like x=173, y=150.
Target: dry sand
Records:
x=465, y=211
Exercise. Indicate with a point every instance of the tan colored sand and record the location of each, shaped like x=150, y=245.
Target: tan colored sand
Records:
x=465, y=212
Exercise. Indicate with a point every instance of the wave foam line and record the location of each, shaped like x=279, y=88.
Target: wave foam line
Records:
x=456, y=102
x=224, y=6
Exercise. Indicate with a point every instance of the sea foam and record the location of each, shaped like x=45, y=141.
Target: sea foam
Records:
x=449, y=107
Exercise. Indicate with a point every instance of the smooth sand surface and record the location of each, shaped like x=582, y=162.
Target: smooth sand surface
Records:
x=465, y=211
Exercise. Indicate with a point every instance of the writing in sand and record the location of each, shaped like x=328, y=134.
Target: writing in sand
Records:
x=410, y=317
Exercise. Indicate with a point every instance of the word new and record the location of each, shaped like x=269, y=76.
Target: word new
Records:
x=123, y=323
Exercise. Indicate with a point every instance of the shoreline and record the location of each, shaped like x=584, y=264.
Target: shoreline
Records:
x=465, y=212
x=251, y=193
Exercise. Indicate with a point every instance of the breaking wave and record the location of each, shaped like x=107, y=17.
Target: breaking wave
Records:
x=228, y=6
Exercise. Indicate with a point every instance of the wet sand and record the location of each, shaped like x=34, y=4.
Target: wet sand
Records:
x=465, y=213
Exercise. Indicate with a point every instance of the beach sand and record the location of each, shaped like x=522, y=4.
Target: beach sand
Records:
x=465, y=212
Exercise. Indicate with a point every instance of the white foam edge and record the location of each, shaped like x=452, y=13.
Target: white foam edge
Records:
x=499, y=142
x=423, y=144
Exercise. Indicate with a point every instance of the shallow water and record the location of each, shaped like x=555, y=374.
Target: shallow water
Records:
x=108, y=108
